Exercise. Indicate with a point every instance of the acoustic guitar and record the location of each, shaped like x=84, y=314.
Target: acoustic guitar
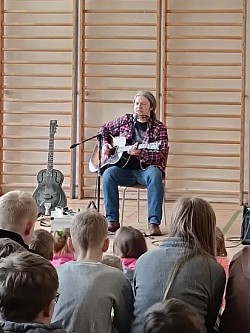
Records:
x=49, y=193
x=119, y=155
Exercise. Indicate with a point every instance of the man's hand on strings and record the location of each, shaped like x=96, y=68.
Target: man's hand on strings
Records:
x=133, y=150
x=106, y=149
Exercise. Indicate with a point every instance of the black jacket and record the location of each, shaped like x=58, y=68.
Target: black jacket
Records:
x=14, y=236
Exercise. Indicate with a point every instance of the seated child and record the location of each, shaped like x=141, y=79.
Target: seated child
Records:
x=18, y=214
x=63, y=248
x=221, y=251
x=222, y=259
x=28, y=293
x=173, y=316
x=42, y=243
x=112, y=261
x=8, y=246
x=129, y=245
x=89, y=290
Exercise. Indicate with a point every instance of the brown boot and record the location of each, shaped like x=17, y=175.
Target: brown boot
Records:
x=154, y=229
x=113, y=226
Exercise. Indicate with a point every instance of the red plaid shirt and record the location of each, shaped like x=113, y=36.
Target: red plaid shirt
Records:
x=156, y=131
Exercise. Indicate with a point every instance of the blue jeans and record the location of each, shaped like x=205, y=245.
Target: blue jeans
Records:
x=151, y=178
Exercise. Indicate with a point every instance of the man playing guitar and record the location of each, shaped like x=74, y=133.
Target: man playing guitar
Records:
x=145, y=166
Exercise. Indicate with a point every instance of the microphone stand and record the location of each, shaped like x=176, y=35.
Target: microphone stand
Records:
x=132, y=118
x=99, y=138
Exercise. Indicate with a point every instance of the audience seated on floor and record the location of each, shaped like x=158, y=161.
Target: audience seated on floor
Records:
x=28, y=292
x=173, y=316
x=129, y=245
x=184, y=265
x=18, y=214
x=112, y=261
x=235, y=317
x=63, y=248
x=42, y=243
x=8, y=246
x=90, y=290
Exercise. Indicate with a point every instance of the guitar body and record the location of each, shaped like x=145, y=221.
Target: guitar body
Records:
x=116, y=158
x=119, y=155
x=49, y=193
x=49, y=190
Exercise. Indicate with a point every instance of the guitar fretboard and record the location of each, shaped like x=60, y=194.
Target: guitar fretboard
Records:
x=53, y=124
x=140, y=146
x=50, y=153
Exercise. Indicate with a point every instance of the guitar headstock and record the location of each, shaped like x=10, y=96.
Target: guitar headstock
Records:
x=154, y=145
x=53, y=127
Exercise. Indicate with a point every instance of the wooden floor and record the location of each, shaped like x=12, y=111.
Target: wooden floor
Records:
x=229, y=219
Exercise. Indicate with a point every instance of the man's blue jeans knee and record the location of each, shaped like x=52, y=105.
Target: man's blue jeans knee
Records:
x=151, y=178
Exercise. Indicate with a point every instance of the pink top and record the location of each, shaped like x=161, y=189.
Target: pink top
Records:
x=129, y=263
x=224, y=262
x=59, y=259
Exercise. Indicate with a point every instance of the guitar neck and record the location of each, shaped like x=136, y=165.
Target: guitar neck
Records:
x=140, y=146
x=50, y=153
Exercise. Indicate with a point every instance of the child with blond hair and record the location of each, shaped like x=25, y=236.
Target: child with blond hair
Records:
x=90, y=290
x=42, y=243
x=183, y=266
x=18, y=214
x=63, y=248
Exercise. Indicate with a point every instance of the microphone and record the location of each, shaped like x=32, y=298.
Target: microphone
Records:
x=74, y=145
x=134, y=117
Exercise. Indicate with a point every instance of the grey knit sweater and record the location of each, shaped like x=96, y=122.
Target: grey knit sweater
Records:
x=200, y=282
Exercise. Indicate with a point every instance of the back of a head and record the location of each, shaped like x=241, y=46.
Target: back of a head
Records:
x=129, y=243
x=194, y=220
x=220, y=243
x=88, y=229
x=43, y=243
x=112, y=261
x=8, y=246
x=16, y=207
x=61, y=241
x=28, y=283
x=173, y=316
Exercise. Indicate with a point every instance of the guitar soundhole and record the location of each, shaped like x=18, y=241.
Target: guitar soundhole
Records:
x=113, y=151
x=47, y=196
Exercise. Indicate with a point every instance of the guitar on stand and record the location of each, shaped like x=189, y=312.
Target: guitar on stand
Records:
x=49, y=193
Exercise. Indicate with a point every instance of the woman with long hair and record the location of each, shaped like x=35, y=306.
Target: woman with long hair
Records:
x=184, y=266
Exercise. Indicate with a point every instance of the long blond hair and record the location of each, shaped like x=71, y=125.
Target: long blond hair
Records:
x=194, y=221
x=61, y=241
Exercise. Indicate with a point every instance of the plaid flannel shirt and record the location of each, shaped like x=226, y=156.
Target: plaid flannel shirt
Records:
x=156, y=131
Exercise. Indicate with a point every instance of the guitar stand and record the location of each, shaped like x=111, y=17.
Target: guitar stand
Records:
x=99, y=138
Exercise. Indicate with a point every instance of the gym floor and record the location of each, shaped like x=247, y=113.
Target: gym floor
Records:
x=229, y=220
